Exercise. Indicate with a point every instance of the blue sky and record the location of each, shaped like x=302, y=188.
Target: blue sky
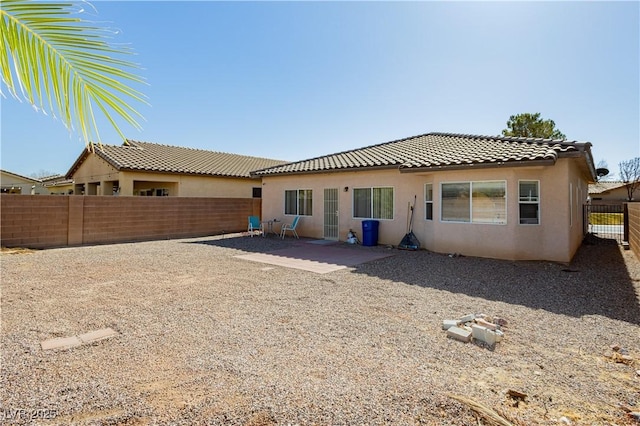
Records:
x=294, y=80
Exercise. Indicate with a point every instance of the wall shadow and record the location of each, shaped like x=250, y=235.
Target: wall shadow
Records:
x=256, y=244
x=599, y=280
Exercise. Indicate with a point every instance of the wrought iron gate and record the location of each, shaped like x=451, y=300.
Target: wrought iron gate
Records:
x=606, y=223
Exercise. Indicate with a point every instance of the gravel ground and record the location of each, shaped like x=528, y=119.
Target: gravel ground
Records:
x=206, y=338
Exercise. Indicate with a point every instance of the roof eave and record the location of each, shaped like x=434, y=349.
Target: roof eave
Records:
x=100, y=152
x=179, y=172
x=487, y=165
x=336, y=170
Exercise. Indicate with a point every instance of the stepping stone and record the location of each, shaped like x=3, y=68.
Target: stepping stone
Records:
x=94, y=336
x=73, y=341
x=61, y=343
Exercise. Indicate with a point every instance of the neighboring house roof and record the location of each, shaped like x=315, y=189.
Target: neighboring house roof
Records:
x=145, y=156
x=57, y=180
x=52, y=178
x=438, y=151
x=15, y=175
x=605, y=186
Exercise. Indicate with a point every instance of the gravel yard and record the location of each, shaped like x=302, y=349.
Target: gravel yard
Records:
x=207, y=338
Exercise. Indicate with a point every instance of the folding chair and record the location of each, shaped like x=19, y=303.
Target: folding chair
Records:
x=290, y=227
x=254, y=225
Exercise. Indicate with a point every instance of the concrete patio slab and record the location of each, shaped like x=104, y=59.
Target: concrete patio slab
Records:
x=320, y=259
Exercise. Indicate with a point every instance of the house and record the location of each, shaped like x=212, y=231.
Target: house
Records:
x=149, y=169
x=13, y=183
x=58, y=185
x=489, y=196
x=608, y=192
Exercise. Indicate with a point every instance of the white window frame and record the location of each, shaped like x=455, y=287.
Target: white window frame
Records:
x=498, y=221
x=372, y=207
x=298, y=200
x=529, y=200
x=428, y=201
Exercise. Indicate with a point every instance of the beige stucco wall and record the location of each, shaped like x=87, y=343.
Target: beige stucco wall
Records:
x=556, y=238
x=615, y=196
x=94, y=170
x=19, y=185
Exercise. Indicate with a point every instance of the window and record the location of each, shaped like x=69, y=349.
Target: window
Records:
x=428, y=201
x=529, y=200
x=256, y=192
x=476, y=202
x=298, y=202
x=373, y=203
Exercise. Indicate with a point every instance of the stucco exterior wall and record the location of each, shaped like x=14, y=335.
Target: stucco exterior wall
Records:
x=99, y=178
x=614, y=196
x=190, y=185
x=16, y=184
x=556, y=238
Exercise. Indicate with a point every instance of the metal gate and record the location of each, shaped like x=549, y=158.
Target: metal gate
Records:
x=331, y=213
x=606, y=223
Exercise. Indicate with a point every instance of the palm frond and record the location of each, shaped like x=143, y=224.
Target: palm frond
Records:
x=55, y=60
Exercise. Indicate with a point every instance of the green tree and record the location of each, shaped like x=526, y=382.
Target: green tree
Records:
x=630, y=175
x=532, y=126
x=59, y=62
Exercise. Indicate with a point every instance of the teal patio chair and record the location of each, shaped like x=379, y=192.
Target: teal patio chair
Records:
x=290, y=227
x=254, y=225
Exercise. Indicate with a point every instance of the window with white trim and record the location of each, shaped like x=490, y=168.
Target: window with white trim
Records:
x=529, y=202
x=373, y=203
x=428, y=201
x=298, y=202
x=475, y=202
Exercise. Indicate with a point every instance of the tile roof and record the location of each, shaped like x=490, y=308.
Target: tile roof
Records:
x=145, y=156
x=437, y=151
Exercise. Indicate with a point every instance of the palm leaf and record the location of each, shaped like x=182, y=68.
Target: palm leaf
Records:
x=57, y=61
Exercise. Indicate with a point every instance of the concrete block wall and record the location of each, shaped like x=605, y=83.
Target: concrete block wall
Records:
x=634, y=227
x=59, y=221
x=34, y=221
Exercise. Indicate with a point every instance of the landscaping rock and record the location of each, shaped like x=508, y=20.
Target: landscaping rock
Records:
x=467, y=318
x=447, y=324
x=460, y=334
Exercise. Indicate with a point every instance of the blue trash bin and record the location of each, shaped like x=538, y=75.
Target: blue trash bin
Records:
x=370, y=232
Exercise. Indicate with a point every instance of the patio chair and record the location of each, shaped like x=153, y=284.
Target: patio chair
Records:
x=254, y=225
x=290, y=227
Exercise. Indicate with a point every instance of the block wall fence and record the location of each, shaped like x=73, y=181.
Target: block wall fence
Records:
x=634, y=227
x=47, y=221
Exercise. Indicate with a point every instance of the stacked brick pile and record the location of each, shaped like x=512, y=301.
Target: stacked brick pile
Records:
x=477, y=327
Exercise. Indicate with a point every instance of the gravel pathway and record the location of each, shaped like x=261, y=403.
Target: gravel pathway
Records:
x=208, y=338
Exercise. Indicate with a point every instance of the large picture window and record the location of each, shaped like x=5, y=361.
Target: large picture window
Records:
x=476, y=202
x=373, y=203
x=529, y=202
x=298, y=202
